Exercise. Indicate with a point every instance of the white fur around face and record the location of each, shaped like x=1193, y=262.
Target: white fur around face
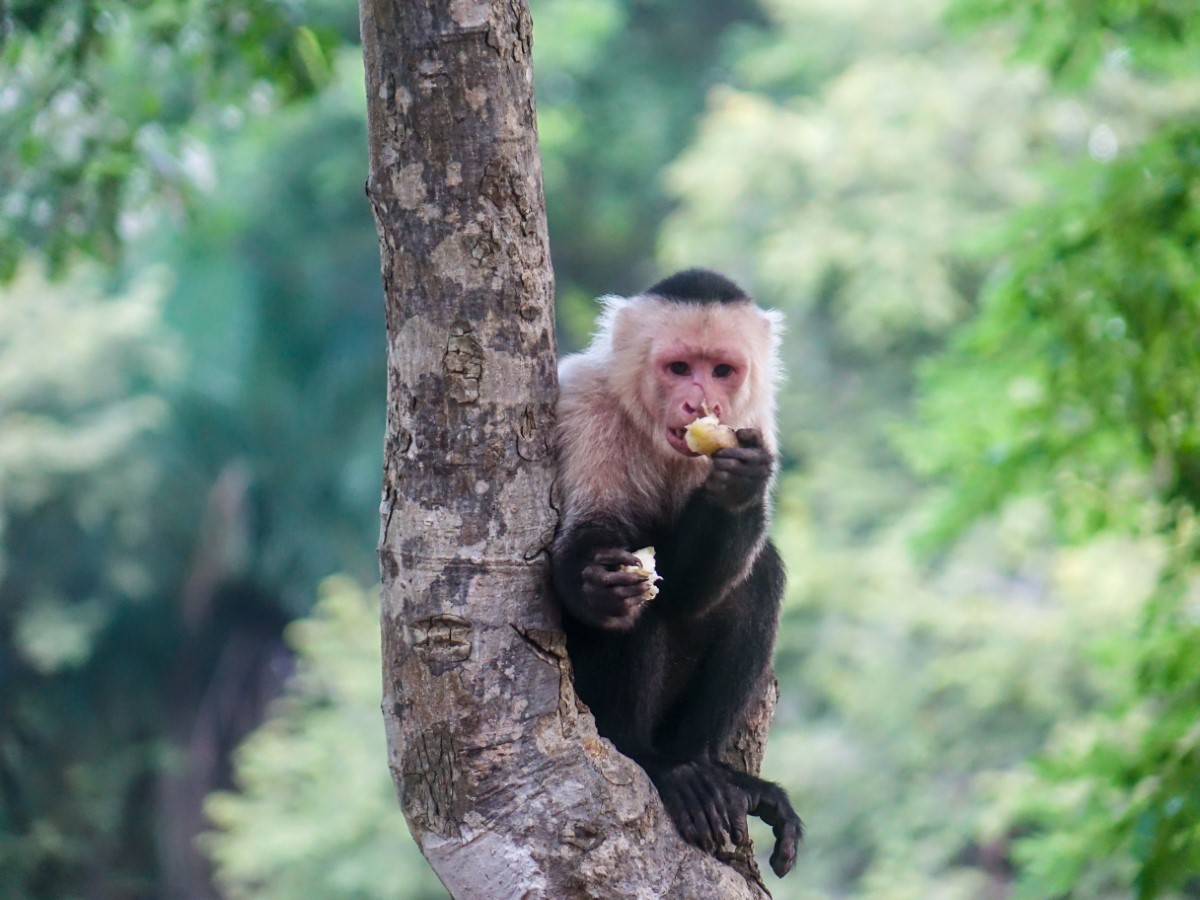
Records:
x=613, y=457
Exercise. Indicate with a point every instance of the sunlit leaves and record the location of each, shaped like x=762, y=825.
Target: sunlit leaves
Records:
x=1082, y=375
x=1080, y=380
x=1073, y=38
x=862, y=203
x=104, y=106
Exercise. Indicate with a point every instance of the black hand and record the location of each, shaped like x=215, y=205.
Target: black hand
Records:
x=613, y=597
x=740, y=474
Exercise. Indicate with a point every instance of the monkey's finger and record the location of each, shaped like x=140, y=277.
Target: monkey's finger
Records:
x=683, y=811
x=749, y=437
x=745, y=455
x=739, y=830
x=614, y=611
x=693, y=803
x=733, y=809
x=774, y=808
x=607, y=578
x=613, y=556
x=691, y=806
x=713, y=808
x=740, y=480
x=740, y=469
x=783, y=857
x=679, y=805
x=634, y=595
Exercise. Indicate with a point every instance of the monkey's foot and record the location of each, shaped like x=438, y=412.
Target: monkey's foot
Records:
x=705, y=806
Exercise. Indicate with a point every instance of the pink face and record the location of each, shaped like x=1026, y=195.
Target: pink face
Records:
x=690, y=379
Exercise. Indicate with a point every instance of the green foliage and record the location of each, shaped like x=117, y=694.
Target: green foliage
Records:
x=1090, y=336
x=116, y=463
x=84, y=381
x=1079, y=382
x=277, y=291
x=105, y=104
x=81, y=381
x=316, y=815
x=860, y=184
x=913, y=696
x=1112, y=802
x=1086, y=363
x=1072, y=39
x=859, y=202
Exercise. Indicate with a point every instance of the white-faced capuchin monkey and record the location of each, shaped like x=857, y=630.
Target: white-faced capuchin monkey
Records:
x=670, y=674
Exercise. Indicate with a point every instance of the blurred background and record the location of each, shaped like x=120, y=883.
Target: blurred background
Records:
x=982, y=219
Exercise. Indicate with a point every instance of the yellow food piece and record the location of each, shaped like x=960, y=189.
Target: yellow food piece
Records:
x=707, y=435
x=646, y=567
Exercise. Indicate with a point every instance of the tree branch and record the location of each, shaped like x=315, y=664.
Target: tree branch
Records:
x=505, y=784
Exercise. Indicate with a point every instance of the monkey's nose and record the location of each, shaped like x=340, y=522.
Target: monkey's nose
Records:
x=703, y=408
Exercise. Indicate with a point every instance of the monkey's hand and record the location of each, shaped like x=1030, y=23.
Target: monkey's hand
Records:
x=613, y=598
x=740, y=474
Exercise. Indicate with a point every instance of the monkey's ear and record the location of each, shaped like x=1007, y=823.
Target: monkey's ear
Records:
x=606, y=320
x=775, y=322
x=632, y=324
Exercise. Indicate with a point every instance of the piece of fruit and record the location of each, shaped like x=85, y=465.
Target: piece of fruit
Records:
x=646, y=567
x=707, y=435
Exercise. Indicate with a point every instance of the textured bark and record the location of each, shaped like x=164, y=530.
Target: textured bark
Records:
x=504, y=782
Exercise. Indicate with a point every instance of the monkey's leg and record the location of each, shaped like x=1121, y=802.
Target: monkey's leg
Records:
x=620, y=676
x=740, y=638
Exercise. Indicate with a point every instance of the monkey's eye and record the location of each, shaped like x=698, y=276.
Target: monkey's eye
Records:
x=723, y=371
x=679, y=368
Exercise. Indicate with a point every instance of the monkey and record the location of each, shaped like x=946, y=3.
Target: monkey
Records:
x=670, y=680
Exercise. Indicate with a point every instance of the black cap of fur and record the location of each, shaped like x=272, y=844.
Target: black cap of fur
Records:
x=698, y=286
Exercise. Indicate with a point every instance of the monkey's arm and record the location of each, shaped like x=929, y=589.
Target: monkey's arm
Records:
x=721, y=529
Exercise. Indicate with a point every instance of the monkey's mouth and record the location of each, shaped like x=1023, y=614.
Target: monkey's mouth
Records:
x=675, y=437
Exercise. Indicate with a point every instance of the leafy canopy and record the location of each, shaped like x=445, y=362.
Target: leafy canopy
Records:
x=103, y=104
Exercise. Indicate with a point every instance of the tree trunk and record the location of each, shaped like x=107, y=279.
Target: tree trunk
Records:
x=504, y=782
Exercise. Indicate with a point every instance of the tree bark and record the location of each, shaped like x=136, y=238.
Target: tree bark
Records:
x=506, y=786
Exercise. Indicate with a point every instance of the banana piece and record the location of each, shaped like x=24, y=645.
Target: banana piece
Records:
x=707, y=435
x=646, y=567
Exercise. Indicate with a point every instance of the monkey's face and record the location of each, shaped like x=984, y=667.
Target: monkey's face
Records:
x=691, y=380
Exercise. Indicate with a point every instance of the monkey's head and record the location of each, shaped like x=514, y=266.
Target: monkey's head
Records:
x=694, y=343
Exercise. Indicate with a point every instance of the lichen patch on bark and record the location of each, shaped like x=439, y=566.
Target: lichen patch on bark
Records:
x=470, y=13
x=409, y=185
x=454, y=258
